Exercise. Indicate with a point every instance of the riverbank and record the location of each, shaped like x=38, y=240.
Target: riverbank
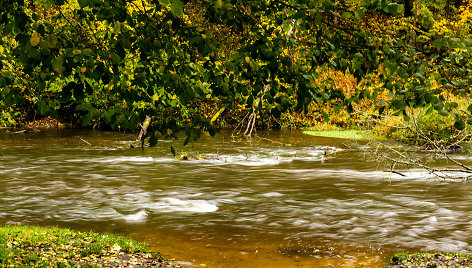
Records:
x=438, y=259
x=22, y=246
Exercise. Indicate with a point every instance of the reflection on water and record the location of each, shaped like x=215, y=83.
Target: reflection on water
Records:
x=258, y=203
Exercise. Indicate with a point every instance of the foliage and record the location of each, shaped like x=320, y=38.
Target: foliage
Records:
x=112, y=63
x=24, y=246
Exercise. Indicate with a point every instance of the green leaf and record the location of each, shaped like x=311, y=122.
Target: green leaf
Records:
x=360, y=13
x=57, y=64
x=398, y=103
x=466, y=145
x=43, y=108
x=115, y=58
x=430, y=110
x=406, y=117
x=153, y=140
x=177, y=8
x=84, y=3
x=164, y=2
x=346, y=15
x=444, y=113
x=469, y=121
x=393, y=8
x=51, y=41
x=469, y=108
x=459, y=125
x=438, y=43
x=172, y=149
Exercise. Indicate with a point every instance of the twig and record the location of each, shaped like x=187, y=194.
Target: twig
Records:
x=85, y=141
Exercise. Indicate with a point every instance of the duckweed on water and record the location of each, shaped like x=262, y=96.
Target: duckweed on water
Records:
x=24, y=246
x=345, y=134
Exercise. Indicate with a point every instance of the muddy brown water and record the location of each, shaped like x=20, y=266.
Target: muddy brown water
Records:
x=272, y=202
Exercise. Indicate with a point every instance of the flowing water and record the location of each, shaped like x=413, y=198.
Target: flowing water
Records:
x=271, y=202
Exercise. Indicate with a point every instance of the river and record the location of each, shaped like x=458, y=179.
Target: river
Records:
x=275, y=201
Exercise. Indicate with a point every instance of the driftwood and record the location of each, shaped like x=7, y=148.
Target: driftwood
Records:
x=438, y=149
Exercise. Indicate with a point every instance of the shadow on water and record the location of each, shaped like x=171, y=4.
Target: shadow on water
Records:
x=287, y=200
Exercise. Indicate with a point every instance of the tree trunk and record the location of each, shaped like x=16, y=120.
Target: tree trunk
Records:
x=408, y=4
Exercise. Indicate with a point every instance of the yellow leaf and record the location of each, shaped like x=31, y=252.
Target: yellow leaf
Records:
x=35, y=39
x=83, y=69
x=247, y=59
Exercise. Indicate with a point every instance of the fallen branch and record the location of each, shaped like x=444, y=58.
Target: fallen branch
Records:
x=142, y=132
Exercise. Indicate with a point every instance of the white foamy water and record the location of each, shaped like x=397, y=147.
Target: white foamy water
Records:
x=170, y=204
x=140, y=216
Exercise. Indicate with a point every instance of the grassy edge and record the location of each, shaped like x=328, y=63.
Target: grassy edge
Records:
x=30, y=246
x=427, y=259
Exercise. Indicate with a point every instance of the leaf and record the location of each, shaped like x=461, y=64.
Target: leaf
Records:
x=172, y=149
x=406, y=117
x=153, y=140
x=115, y=58
x=57, y=65
x=51, y=41
x=346, y=15
x=35, y=39
x=83, y=3
x=360, y=13
x=459, y=125
x=87, y=52
x=164, y=2
x=43, y=107
x=177, y=8
x=398, y=103
x=438, y=43
x=444, y=113
x=217, y=114
x=393, y=8
x=469, y=108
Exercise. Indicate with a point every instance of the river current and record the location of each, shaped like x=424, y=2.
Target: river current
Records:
x=284, y=199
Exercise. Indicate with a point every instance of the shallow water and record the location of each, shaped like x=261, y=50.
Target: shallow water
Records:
x=271, y=202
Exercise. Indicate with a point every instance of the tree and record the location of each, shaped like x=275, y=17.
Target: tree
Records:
x=118, y=62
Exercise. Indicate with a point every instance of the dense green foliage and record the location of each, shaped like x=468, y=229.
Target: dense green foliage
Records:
x=112, y=63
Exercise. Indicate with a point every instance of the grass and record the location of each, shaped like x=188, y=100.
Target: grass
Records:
x=25, y=246
x=344, y=134
x=438, y=259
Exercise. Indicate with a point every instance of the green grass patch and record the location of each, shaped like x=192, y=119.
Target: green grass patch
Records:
x=25, y=246
x=437, y=259
x=345, y=134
